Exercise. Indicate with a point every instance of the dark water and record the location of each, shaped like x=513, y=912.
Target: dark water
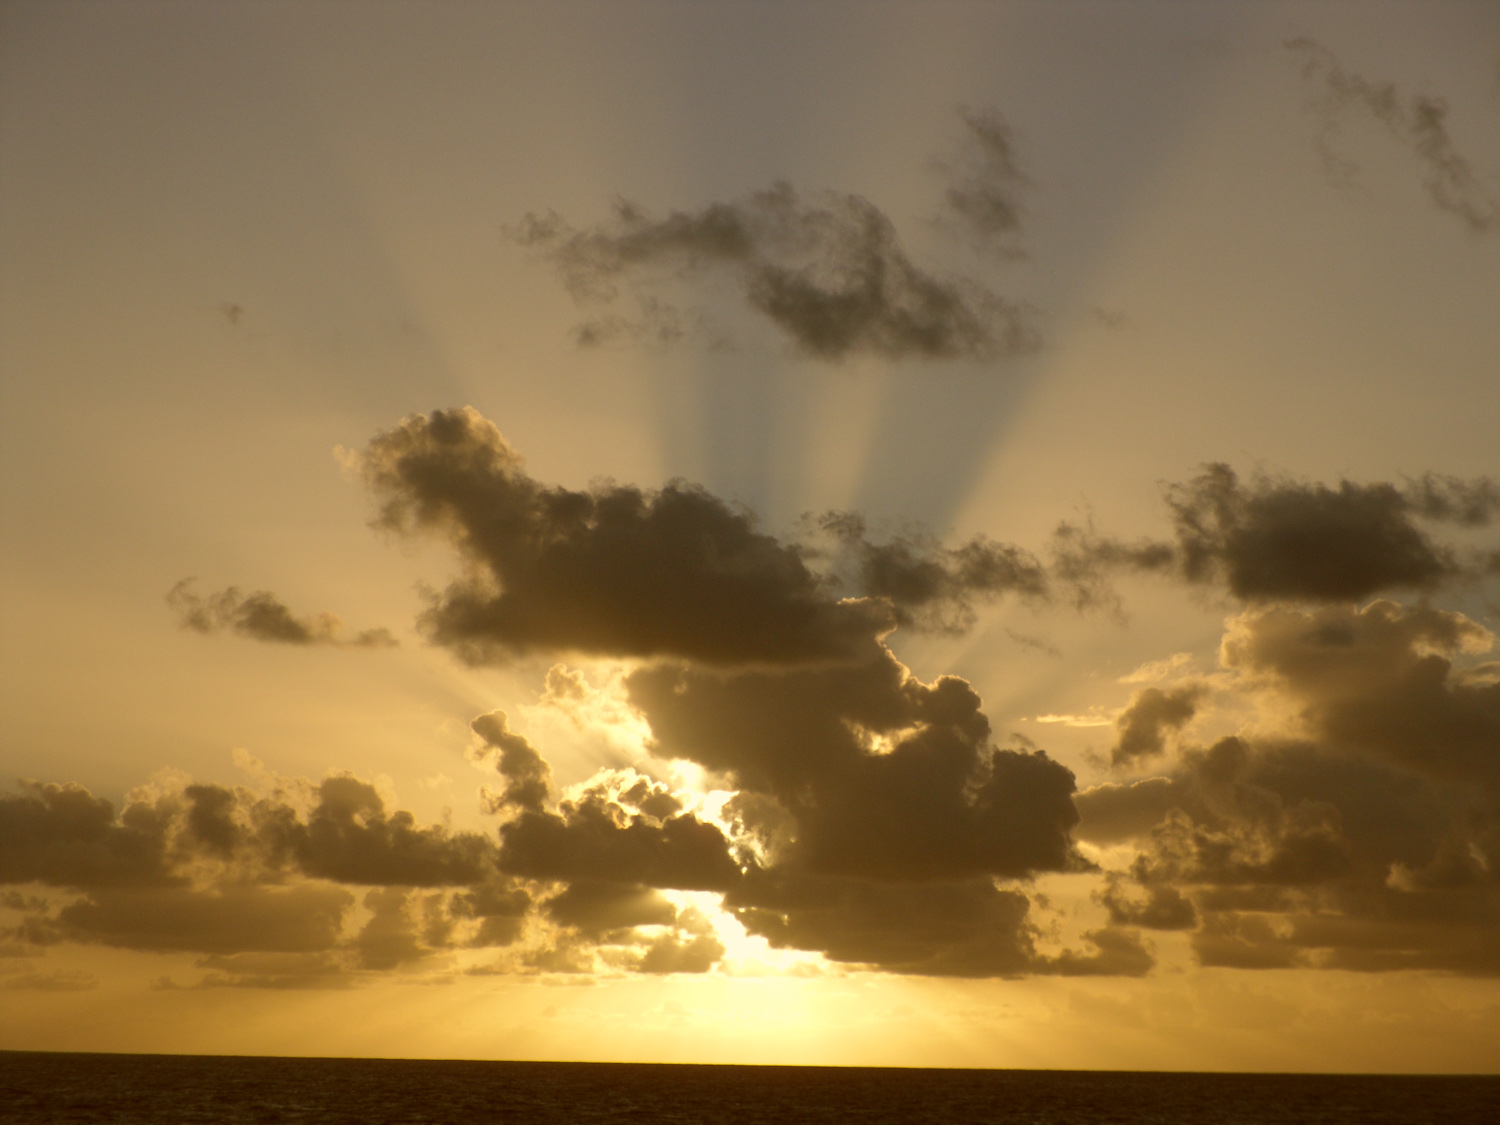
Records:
x=177, y=1088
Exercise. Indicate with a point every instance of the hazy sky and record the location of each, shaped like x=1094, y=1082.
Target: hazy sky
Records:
x=935, y=534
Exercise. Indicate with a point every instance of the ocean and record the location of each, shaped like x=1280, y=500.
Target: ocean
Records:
x=167, y=1089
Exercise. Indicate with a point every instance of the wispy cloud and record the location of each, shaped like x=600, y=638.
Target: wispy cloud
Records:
x=831, y=275
x=1418, y=122
x=986, y=184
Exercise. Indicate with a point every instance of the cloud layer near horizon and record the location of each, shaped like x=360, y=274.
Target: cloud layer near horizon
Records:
x=848, y=809
x=1362, y=832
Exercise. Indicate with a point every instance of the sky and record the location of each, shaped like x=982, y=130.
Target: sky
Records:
x=864, y=533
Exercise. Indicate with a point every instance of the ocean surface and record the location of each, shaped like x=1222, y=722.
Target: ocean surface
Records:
x=166, y=1089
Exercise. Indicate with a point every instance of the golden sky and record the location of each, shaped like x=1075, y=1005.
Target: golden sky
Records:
x=866, y=533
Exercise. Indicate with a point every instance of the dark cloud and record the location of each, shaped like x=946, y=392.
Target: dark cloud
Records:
x=1419, y=123
x=1113, y=813
x=964, y=928
x=968, y=928
x=862, y=796
x=227, y=920
x=1286, y=539
x=1277, y=538
x=1379, y=681
x=595, y=909
x=1164, y=907
x=1303, y=858
x=1376, y=932
x=402, y=929
x=873, y=773
x=637, y=834
x=262, y=617
x=602, y=923
x=984, y=195
x=844, y=766
x=528, y=778
x=345, y=835
x=831, y=276
x=612, y=571
x=1116, y=952
x=618, y=571
x=64, y=836
x=558, y=956
x=1244, y=941
x=349, y=838
x=673, y=953
x=226, y=872
x=878, y=810
x=1366, y=836
x=930, y=587
x=500, y=908
x=873, y=818
x=1151, y=716
x=597, y=839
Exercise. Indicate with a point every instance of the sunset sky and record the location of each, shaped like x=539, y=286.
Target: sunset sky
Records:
x=932, y=534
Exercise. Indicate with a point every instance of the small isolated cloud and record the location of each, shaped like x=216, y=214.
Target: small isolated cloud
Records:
x=831, y=275
x=1112, y=319
x=261, y=616
x=528, y=779
x=1150, y=718
x=1035, y=644
x=1419, y=123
